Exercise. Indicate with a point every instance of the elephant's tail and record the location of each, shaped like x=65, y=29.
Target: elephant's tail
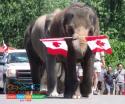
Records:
x=28, y=32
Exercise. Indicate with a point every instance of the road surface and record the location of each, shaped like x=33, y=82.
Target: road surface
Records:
x=93, y=99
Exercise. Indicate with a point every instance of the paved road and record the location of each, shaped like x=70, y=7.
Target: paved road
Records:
x=100, y=99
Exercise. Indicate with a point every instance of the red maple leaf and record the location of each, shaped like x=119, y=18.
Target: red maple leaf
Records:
x=56, y=44
x=98, y=42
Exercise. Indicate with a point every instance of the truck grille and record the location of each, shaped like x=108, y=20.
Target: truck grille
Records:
x=24, y=75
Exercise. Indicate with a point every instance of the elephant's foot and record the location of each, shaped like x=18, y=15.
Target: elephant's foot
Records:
x=43, y=88
x=85, y=90
x=85, y=95
x=54, y=94
x=74, y=93
x=77, y=94
x=67, y=96
x=70, y=95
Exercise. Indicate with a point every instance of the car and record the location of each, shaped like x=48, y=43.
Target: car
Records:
x=15, y=69
x=2, y=53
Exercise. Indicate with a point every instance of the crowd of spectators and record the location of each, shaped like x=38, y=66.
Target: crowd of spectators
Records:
x=111, y=81
x=106, y=80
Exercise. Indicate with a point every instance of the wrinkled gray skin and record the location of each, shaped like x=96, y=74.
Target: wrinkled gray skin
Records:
x=37, y=54
x=76, y=21
x=59, y=89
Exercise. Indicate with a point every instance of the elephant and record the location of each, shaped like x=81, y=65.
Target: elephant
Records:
x=40, y=26
x=76, y=21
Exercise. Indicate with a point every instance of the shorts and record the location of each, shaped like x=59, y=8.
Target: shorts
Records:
x=97, y=66
x=120, y=86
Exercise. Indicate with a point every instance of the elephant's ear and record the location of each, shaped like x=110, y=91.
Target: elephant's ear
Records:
x=47, y=24
x=61, y=25
x=28, y=32
x=97, y=29
x=65, y=21
x=94, y=29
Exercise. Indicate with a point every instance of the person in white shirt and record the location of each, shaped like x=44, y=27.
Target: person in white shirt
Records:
x=120, y=79
x=99, y=62
x=101, y=80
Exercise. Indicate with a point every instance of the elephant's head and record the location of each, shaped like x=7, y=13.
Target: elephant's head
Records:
x=79, y=21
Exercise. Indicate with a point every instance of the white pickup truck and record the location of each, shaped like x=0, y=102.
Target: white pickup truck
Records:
x=15, y=71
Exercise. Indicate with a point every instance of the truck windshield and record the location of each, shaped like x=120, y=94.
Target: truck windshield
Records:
x=18, y=57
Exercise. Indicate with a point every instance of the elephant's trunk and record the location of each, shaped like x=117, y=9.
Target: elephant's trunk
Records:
x=79, y=42
x=80, y=46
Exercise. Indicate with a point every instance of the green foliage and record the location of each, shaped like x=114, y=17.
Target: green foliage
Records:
x=15, y=15
x=50, y=5
x=112, y=17
x=118, y=55
x=112, y=23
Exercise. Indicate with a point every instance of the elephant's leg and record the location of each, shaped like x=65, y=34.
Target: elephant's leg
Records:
x=71, y=82
x=51, y=75
x=87, y=65
x=79, y=72
x=43, y=83
x=60, y=79
x=35, y=73
x=43, y=79
x=77, y=94
x=35, y=63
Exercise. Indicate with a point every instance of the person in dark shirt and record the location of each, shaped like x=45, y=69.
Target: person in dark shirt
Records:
x=109, y=76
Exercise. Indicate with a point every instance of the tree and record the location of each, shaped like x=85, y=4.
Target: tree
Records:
x=15, y=15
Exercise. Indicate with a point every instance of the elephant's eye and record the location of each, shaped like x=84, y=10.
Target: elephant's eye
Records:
x=90, y=32
x=70, y=30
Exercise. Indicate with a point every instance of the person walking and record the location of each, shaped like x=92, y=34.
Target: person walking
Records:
x=99, y=61
x=120, y=78
x=109, y=76
x=101, y=82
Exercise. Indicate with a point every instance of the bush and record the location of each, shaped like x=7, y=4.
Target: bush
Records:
x=118, y=55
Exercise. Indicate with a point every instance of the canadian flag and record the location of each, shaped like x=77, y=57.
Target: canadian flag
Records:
x=99, y=44
x=56, y=46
